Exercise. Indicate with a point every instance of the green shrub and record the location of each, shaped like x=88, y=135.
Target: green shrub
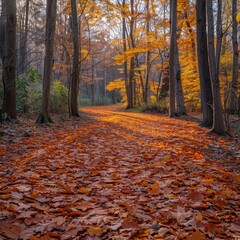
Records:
x=24, y=87
x=59, y=98
x=34, y=100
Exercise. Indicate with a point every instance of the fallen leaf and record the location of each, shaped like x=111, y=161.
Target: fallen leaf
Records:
x=197, y=236
x=195, y=197
x=94, y=230
x=84, y=190
x=24, y=188
x=129, y=224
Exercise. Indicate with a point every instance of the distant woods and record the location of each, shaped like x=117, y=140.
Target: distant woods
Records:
x=173, y=56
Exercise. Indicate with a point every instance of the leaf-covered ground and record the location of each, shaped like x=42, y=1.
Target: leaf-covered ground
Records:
x=118, y=175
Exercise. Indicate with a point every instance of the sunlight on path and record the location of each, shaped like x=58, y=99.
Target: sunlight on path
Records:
x=120, y=175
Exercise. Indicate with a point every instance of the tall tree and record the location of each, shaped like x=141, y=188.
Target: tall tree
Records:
x=203, y=65
x=75, y=66
x=125, y=64
x=9, y=60
x=173, y=29
x=219, y=36
x=218, y=122
x=23, y=40
x=2, y=29
x=51, y=11
x=148, y=55
x=132, y=63
x=181, y=110
x=235, y=52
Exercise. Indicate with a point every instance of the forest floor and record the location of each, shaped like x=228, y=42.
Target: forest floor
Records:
x=118, y=175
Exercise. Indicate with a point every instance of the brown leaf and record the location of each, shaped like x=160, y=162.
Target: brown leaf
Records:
x=26, y=214
x=12, y=231
x=24, y=188
x=129, y=224
x=197, y=236
x=86, y=205
x=195, y=197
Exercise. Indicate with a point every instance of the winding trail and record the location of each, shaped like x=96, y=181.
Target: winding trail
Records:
x=120, y=175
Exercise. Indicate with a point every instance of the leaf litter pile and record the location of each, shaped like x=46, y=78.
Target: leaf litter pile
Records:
x=119, y=175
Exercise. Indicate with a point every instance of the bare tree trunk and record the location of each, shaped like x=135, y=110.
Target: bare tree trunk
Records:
x=75, y=68
x=125, y=49
x=92, y=83
x=2, y=29
x=219, y=36
x=132, y=64
x=234, y=96
x=9, y=62
x=2, y=40
x=23, y=41
x=181, y=110
x=51, y=11
x=203, y=65
x=146, y=89
x=218, y=122
x=173, y=22
x=164, y=84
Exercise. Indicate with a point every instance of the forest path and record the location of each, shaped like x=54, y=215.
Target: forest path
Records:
x=120, y=175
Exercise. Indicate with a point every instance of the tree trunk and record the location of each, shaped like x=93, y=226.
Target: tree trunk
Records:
x=125, y=65
x=173, y=26
x=51, y=10
x=2, y=39
x=203, y=65
x=23, y=41
x=146, y=89
x=92, y=83
x=218, y=122
x=219, y=36
x=9, y=62
x=164, y=84
x=181, y=110
x=132, y=64
x=2, y=29
x=234, y=96
x=75, y=67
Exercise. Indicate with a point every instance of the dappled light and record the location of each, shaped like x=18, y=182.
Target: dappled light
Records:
x=120, y=175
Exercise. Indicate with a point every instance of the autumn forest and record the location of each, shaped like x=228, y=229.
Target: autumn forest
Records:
x=119, y=119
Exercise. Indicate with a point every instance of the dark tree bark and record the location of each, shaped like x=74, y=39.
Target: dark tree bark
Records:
x=181, y=110
x=2, y=29
x=75, y=68
x=132, y=63
x=9, y=61
x=219, y=36
x=203, y=65
x=173, y=26
x=125, y=65
x=164, y=83
x=146, y=90
x=234, y=96
x=51, y=12
x=218, y=122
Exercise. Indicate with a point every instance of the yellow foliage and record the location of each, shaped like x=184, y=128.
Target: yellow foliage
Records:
x=238, y=17
x=116, y=84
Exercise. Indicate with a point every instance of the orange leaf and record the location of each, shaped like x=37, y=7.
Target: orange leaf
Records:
x=197, y=235
x=94, y=230
x=84, y=190
x=155, y=189
x=199, y=217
